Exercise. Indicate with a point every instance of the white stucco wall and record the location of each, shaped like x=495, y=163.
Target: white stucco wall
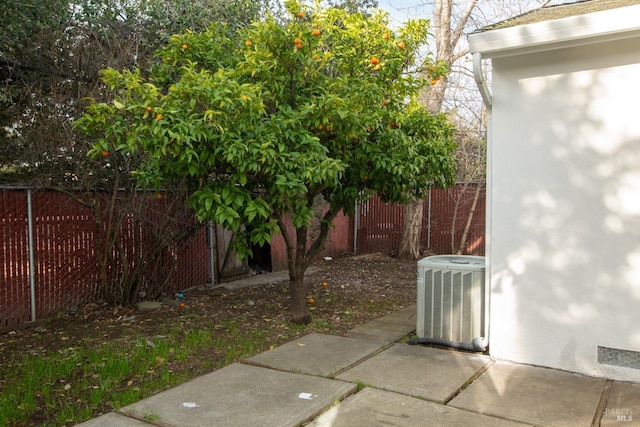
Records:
x=564, y=199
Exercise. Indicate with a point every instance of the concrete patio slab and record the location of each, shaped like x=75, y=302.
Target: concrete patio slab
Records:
x=405, y=317
x=381, y=330
x=424, y=372
x=317, y=354
x=242, y=395
x=392, y=327
x=372, y=407
x=250, y=394
x=112, y=420
x=535, y=395
x=623, y=405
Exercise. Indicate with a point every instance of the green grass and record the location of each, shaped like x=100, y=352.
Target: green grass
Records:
x=76, y=383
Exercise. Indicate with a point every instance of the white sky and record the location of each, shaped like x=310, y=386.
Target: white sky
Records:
x=402, y=10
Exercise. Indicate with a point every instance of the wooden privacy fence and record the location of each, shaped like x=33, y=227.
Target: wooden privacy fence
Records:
x=49, y=241
x=445, y=215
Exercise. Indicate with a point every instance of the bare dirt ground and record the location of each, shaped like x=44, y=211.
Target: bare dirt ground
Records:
x=343, y=293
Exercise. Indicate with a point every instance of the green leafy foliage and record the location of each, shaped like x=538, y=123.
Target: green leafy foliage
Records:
x=265, y=121
x=50, y=60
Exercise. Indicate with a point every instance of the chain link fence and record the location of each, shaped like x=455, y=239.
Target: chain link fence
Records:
x=49, y=255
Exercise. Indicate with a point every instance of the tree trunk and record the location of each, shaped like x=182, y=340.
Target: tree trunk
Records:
x=467, y=227
x=410, y=245
x=296, y=263
x=300, y=314
x=299, y=256
x=454, y=216
x=446, y=40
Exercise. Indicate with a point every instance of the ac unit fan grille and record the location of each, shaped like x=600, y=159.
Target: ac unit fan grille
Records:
x=449, y=305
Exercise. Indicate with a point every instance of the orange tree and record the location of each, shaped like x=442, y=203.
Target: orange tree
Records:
x=266, y=121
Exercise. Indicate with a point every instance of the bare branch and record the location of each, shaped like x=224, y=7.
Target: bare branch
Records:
x=462, y=23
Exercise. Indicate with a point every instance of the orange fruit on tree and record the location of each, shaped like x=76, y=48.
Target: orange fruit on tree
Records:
x=297, y=41
x=248, y=43
x=401, y=44
x=316, y=32
x=327, y=128
x=385, y=102
x=300, y=14
x=184, y=46
x=386, y=36
x=311, y=300
x=159, y=117
x=433, y=82
x=149, y=109
x=378, y=67
x=374, y=60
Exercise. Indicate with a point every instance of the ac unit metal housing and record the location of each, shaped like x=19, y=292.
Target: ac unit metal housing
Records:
x=451, y=300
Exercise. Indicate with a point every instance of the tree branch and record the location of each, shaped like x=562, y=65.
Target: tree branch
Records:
x=318, y=245
x=457, y=33
x=459, y=55
x=285, y=233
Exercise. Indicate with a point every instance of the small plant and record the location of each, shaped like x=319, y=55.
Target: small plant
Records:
x=321, y=324
x=361, y=385
x=408, y=338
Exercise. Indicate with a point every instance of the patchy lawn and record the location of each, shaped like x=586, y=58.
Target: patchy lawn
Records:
x=101, y=358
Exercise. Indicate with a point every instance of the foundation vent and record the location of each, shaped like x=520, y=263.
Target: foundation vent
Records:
x=617, y=357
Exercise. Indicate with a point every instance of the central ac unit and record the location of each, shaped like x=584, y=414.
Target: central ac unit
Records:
x=451, y=301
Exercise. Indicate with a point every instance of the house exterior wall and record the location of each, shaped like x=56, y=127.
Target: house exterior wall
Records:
x=564, y=207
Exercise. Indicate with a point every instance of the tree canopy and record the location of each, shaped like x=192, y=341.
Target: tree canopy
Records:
x=50, y=60
x=265, y=121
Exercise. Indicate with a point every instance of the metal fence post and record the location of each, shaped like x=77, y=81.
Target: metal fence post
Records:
x=212, y=251
x=32, y=264
x=355, y=229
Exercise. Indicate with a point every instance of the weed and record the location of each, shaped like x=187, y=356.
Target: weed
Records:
x=361, y=385
x=151, y=417
x=321, y=324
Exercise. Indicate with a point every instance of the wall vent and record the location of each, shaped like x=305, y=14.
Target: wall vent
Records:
x=617, y=357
